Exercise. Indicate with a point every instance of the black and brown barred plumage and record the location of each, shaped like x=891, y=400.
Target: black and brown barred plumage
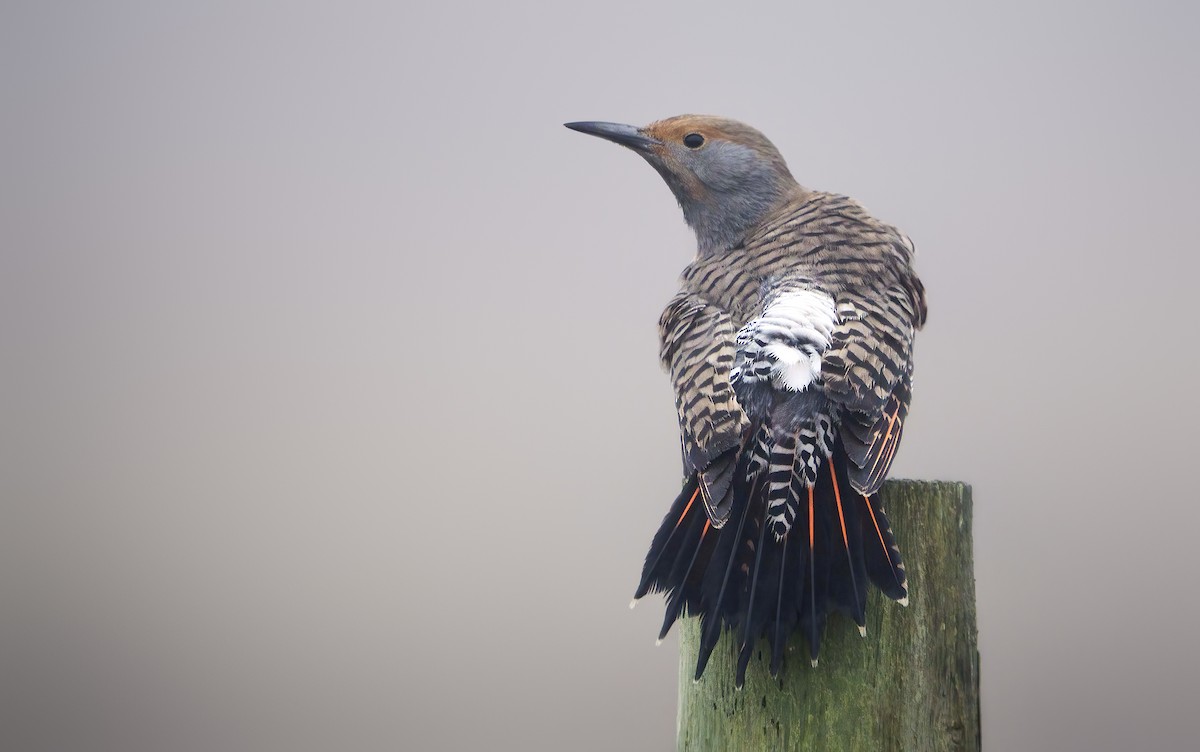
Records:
x=790, y=350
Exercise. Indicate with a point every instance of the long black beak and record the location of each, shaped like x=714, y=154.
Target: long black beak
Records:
x=625, y=135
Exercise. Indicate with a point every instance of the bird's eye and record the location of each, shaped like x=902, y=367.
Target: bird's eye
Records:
x=693, y=140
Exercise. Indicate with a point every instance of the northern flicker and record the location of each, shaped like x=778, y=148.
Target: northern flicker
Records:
x=790, y=350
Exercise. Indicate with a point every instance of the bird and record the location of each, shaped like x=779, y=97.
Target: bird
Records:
x=790, y=350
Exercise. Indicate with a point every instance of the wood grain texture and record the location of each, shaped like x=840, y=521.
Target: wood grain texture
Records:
x=911, y=684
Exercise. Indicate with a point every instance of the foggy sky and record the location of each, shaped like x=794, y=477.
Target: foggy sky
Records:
x=330, y=411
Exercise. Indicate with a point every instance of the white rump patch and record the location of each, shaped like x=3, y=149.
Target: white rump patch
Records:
x=794, y=370
x=784, y=345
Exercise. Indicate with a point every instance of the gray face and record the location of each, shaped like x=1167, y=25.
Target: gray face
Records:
x=723, y=187
x=725, y=167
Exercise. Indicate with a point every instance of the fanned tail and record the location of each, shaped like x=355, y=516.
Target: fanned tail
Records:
x=745, y=578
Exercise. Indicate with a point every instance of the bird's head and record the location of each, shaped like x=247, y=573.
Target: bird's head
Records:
x=727, y=176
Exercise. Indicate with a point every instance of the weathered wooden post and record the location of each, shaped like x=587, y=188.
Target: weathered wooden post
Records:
x=911, y=684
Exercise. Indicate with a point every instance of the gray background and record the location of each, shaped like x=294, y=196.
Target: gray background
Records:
x=331, y=416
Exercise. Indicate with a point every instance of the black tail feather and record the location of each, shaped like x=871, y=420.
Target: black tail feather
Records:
x=733, y=549
x=848, y=580
x=697, y=546
x=713, y=616
x=881, y=557
x=814, y=594
x=754, y=619
x=668, y=541
x=741, y=578
x=787, y=608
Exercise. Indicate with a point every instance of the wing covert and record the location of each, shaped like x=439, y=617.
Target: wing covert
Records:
x=867, y=372
x=698, y=350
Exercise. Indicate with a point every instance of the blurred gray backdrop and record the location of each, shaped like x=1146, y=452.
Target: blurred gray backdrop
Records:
x=329, y=404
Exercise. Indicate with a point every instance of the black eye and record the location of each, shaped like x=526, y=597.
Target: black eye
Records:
x=693, y=140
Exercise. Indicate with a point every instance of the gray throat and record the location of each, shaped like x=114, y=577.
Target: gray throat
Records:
x=728, y=215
